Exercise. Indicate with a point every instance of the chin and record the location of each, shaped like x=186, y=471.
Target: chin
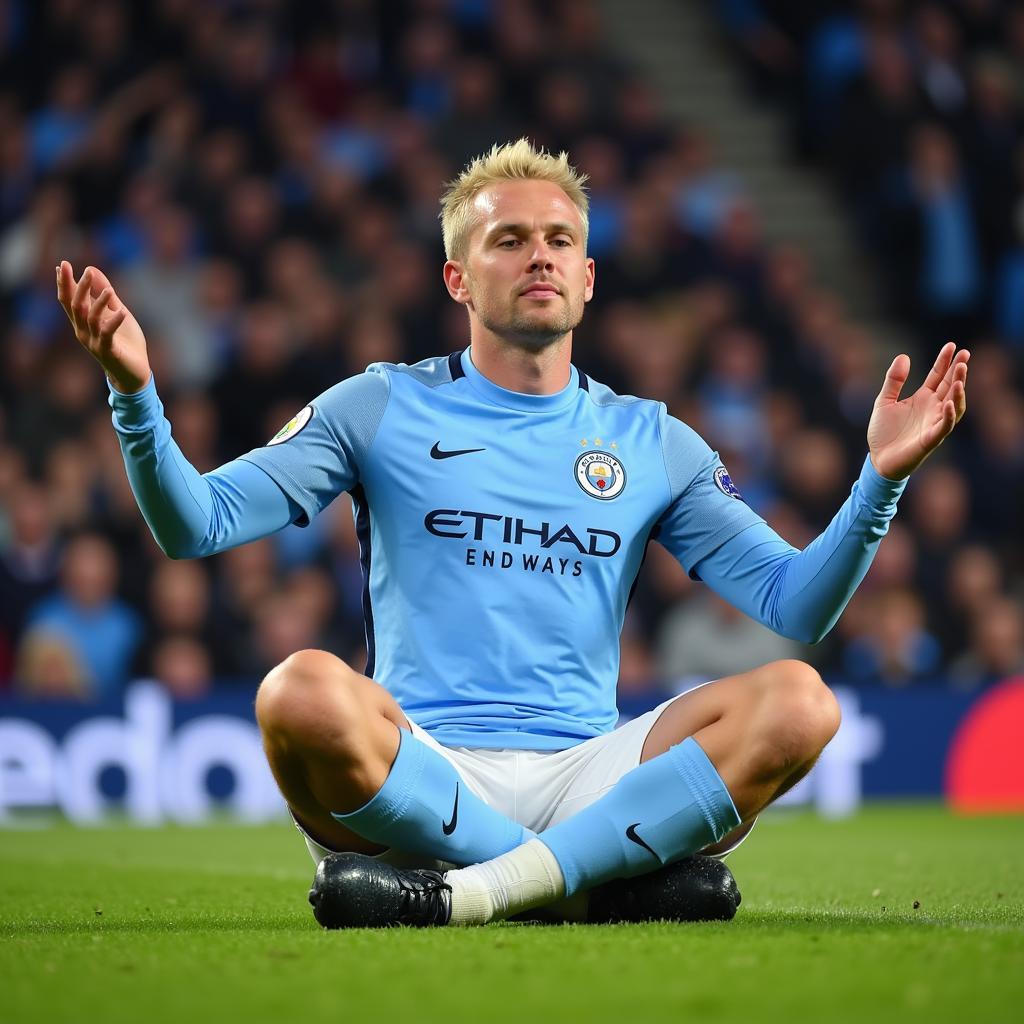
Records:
x=532, y=328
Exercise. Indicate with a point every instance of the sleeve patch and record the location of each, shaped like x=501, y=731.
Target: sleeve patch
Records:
x=724, y=483
x=293, y=426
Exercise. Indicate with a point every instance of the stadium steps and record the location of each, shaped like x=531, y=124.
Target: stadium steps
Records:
x=681, y=49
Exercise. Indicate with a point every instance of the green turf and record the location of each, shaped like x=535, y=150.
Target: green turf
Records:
x=211, y=924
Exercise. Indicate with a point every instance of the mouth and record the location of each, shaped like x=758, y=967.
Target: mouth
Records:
x=541, y=290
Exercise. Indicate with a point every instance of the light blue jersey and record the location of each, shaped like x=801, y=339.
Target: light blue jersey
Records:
x=501, y=534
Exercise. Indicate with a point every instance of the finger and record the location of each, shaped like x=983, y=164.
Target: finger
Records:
x=938, y=371
x=957, y=371
x=65, y=279
x=958, y=388
x=109, y=328
x=941, y=428
x=98, y=309
x=80, y=301
x=958, y=395
x=895, y=378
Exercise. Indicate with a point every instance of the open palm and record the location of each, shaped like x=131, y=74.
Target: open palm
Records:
x=903, y=433
x=104, y=326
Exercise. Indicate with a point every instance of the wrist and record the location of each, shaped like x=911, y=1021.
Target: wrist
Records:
x=876, y=491
x=887, y=472
x=128, y=385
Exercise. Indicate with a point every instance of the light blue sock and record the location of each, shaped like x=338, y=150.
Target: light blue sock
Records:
x=424, y=807
x=661, y=811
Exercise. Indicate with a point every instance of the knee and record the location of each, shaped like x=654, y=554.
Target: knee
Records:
x=309, y=693
x=801, y=712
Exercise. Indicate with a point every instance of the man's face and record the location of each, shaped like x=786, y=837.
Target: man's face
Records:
x=525, y=274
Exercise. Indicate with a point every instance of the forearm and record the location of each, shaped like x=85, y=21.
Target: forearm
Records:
x=801, y=594
x=191, y=514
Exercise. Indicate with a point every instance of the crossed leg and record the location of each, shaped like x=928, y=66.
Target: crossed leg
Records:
x=332, y=735
x=763, y=730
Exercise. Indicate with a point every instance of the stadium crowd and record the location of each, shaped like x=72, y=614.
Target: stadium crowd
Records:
x=261, y=181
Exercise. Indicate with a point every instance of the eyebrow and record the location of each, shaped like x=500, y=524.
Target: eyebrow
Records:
x=555, y=227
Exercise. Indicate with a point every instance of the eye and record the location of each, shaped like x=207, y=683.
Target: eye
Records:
x=562, y=242
x=508, y=243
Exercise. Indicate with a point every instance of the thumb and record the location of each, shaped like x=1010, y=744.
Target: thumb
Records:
x=895, y=378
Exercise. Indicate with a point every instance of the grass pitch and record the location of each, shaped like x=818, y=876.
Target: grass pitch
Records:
x=903, y=913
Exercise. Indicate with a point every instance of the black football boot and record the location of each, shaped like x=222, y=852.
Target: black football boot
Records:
x=695, y=889
x=353, y=891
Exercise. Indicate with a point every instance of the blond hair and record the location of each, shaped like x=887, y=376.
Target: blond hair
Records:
x=514, y=161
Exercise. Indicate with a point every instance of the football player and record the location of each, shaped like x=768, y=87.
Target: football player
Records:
x=504, y=501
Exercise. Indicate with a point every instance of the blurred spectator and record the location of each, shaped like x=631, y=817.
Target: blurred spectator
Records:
x=246, y=577
x=59, y=407
x=732, y=396
x=877, y=115
x=196, y=429
x=183, y=665
x=939, y=510
x=939, y=237
x=28, y=562
x=996, y=650
x=179, y=609
x=705, y=192
x=813, y=474
x=280, y=628
x=43, y=236
x=938, y=59
x=973, y=582
x=48, y=668
x=996, y=472
x=475, y=118
x=641, y=130
x=100, y=630
x=57, y=129
x=162, y=289
x=707, y=638
x=263, y=373
x=895, y=649
x=770, y=56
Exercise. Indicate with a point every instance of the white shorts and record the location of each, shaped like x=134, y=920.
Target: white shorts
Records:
x=537, y=788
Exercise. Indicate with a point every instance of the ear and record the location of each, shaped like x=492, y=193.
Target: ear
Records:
x=588, y=291
x=455, y=282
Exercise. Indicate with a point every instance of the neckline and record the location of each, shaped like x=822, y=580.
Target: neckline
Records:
x=517, y=399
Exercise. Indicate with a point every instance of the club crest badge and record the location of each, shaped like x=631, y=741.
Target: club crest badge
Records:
x=600, y=474
x=292, y=427
x=724, y=483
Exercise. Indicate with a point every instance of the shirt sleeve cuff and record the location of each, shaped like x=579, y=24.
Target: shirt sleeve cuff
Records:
x=879, y=493
x=133, y=413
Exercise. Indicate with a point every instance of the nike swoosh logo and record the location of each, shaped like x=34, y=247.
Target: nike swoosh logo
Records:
x=449, y=827
x=436, y=453
x=631, y=834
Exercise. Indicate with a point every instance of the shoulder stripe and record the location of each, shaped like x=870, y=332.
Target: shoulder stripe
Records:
x=455, y=365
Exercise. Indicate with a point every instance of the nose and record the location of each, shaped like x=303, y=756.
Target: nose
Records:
x=541, y=259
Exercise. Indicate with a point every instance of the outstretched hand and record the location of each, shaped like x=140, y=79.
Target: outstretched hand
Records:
x=104, y=327
x=903, y=433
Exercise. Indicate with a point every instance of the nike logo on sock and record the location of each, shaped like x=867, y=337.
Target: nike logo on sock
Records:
x=449, y=827
x=631, y=834
x=437, y=453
